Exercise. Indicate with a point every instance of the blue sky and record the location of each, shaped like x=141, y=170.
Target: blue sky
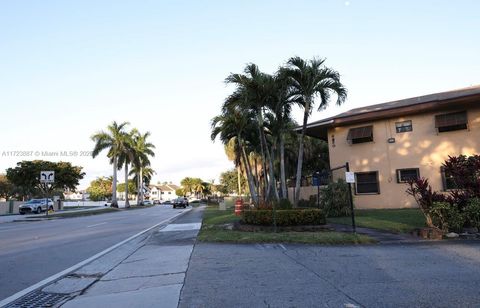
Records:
x=68, y=68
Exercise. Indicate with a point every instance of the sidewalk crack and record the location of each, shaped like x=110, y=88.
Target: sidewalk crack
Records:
x=322, y=278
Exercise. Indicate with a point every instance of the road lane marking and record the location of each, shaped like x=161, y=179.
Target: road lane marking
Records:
x=102, y=223
x=75, y=267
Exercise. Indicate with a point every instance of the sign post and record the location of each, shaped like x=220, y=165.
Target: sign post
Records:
x=350, y=178
x=47, y=177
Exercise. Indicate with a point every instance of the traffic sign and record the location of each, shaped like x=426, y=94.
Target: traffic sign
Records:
x=47, y=177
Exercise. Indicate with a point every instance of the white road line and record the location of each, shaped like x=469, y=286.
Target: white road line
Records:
x=102, y=223
x=52, y=278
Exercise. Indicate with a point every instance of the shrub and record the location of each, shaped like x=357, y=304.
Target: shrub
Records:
x=447, y=217
x=284, y=217
x=311, y=202
x=283, y=204
x=335, y=200
x=472, y=212
x=425, y=197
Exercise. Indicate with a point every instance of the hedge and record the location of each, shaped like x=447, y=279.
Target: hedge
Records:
x=284, y=217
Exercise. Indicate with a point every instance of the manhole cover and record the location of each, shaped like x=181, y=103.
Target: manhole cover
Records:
x=38, y=299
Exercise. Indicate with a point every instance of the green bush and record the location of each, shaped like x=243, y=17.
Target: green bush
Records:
x=472, y=211
x=283, y=204
x=311, y=202
x=335, y=199
x=447, y=217
x=284, y=217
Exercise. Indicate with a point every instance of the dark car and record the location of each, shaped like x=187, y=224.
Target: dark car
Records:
x=180, y=202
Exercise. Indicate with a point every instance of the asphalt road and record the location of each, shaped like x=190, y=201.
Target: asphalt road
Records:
x=33, y=251
x=272, y=275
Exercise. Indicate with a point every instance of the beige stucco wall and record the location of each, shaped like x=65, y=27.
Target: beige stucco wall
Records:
x=422, y=148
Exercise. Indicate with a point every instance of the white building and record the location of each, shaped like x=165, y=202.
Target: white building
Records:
x=162, y=192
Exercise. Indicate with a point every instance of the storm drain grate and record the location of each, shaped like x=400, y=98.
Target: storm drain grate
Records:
x=38, y=299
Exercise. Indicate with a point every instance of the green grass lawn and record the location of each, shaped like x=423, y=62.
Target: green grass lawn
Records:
x=399, y=220
x=213, y=231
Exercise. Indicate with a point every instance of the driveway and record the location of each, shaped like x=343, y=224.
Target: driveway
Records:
x=272, y=275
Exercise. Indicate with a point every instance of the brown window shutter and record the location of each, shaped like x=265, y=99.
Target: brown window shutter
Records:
x=451, y=119
x=360, y=132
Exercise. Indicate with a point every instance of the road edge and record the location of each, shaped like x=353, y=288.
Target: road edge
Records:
x=59, y=275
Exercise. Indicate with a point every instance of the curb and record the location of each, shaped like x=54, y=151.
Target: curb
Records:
x=75, y=267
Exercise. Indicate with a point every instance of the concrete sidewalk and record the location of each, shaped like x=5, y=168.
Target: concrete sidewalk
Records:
x=152, y=275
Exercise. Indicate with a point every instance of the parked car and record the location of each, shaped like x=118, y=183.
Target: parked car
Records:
x=156, y=201
x=36, y=206
x=166, y=202
x=180, y=202
x=147, y=202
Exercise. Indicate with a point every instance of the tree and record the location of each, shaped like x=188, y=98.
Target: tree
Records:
x=26, y=177
x=257, y=89
x=229, y=180
x=7, y=190
x=113, y=141
x=100, y=189
x=130, y=189
x=143, y=150
x=125, y=158
x=180, y=192
x=309, y=80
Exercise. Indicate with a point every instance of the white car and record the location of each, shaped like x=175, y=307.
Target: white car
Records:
x=36, y=206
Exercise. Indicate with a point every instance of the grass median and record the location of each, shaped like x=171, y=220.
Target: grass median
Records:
x=87, y=212
x=215, y=222
x=395, y=220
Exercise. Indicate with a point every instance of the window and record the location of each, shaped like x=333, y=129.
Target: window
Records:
x=402, y=127
x=169, y=192
x=404, y=175
x=366, y=183
x=447, y=179
x=451, y=121
x=360, y=134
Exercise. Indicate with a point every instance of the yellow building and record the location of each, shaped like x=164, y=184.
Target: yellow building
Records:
x=388, y=143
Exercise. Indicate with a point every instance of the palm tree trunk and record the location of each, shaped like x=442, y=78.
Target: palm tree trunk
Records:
x=272, y=185
x=272, y=173
x=298, y=179
x=239, y=180
x=141, y=185
x=114, y=183
x=138, y=189
x=282, y=166
x=246, y=163
x=127, y=203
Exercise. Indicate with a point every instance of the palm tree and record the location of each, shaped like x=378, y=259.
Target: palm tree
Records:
x=307, y=81
x=111, y=140
x=125, y=158
x=256, y=89
x=235, y=124
x=142, y=151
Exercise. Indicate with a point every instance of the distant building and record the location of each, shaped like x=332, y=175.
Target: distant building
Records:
x=163, y=192
x=76, y=195
x=389, y=143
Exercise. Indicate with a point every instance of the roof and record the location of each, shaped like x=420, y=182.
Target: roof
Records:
x=396, y=108
x=167, y=187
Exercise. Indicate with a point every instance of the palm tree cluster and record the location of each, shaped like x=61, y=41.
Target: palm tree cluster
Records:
x=126, y=148
x=256, y=119
x=195, y=186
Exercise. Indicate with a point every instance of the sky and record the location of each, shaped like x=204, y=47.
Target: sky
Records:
x=70, y=68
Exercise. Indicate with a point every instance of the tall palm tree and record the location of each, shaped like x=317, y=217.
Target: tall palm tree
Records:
x=309, y=80
x=143, y=150
x=111, y=140
x=234, y=123
x=125, y=158
x=257, y=89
